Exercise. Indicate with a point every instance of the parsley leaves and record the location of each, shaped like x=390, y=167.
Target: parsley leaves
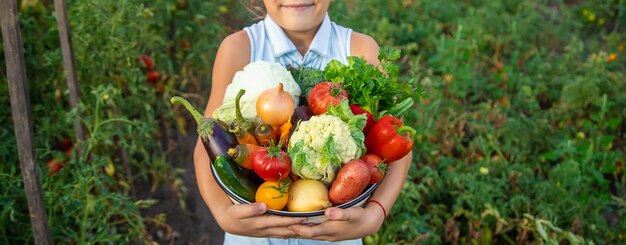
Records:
x=375, y=88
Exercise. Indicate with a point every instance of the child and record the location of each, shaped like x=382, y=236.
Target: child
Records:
x=296, y=33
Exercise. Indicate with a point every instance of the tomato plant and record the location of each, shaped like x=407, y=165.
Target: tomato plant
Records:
x=124, y=116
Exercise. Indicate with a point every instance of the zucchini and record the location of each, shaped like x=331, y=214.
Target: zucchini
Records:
x=234, y=179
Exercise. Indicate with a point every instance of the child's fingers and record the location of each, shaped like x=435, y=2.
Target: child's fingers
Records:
x=278, y=232
x=245, y=211
x=242, y=211
x=310, y=232
x=339, y=214
x=279, y=221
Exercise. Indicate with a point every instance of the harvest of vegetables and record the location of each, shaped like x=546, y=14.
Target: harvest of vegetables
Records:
x=316, y=141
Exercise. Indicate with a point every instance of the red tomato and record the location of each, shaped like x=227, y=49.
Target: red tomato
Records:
x=153, y=76
x=325, y=94
x=68, y=152
x=66, y=143
x=271, y=164
x=55, y=165
x=377, y=167
x=370, y=118
x=185, y=44
x=146, y=61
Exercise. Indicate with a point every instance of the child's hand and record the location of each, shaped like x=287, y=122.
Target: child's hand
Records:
x=343, y=224
x=250, y=220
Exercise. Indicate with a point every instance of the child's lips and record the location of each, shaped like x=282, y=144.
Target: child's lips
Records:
x=297, y=7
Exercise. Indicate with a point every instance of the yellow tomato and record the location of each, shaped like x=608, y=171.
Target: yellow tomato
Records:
x=274, y=194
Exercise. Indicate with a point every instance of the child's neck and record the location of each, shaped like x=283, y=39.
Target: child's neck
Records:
x=302, y=39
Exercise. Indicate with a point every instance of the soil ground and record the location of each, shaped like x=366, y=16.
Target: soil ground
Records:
x=191, y=224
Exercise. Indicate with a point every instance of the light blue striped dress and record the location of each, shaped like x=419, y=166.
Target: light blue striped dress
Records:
x=270, y=43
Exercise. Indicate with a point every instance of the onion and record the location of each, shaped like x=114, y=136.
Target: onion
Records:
x=274, y=106
x=307, y=195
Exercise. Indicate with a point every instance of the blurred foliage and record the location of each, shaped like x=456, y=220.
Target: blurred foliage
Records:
x=522, y=138
x=92, y=198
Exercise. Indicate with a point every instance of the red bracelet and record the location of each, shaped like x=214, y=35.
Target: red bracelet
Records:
x=381, y=206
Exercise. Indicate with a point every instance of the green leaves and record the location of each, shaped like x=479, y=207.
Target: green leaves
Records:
x=386, y=57
x=374, y=88
x=329, y=160
x=307, y=78
x=389, y=54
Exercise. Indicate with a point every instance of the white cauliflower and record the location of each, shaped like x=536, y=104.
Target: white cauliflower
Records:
x=315, y=132
x=320, y=146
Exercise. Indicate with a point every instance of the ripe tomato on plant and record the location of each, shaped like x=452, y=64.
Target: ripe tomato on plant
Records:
x=185, y=44
x=54, y=166
x=146, y=61
x=377, y=167
x=65, y=144
x=153, y=76
x=271, y=163
x=274, y=194
x=325, y=94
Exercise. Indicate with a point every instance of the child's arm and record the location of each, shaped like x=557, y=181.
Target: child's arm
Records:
x=359, y=222
x=248, y=220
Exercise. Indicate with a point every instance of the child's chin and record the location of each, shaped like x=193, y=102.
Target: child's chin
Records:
x=300, y=25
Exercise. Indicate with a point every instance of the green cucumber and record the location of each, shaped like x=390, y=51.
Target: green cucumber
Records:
x=235, y=180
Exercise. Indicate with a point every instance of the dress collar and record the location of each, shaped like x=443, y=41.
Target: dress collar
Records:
x=281, y=44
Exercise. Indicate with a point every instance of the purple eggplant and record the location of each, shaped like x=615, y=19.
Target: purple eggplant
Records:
x=214, y=134
x=302, y=113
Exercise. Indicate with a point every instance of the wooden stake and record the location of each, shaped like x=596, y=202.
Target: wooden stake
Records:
x=70, y=64
x=20, y=110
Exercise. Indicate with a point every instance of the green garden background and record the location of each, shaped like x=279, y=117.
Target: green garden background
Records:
x=521, y=140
